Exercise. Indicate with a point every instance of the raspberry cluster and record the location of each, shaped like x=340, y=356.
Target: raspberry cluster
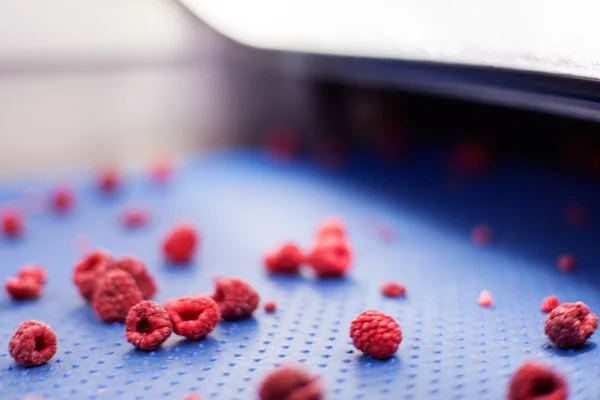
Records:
x=147, y=325
x=180, y=244
x=28, y=284
x=113, y=286
x=570, y=324
x=236, y=299
x=11, y=223
x=193, y=317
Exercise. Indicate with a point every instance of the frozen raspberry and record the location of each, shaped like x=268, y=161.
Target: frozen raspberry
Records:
x=393, y=289
x=291, y=382
x=23, y=289
x=576, y=214
x=115, y=293
x=376, y=334
x=533, y=381
x=236, y=299
x=88, y=270
x=331, y=257
x=147, y=325
x=35, y=272
x=180, y=244
x=331, y=226
x=135, y=217
x=566, y=262
x=109, y=180
x=282, y=144
x=482, y=235
x=270, y=306
x=137, y=269
x=193, y=317
x=192, y=396
x=161, y=171
x=12, y=223
x=549, y=303
x=485, y=299
x=470, y=158
x=287, y=259
x=63, y=199
x=570, y=324
x=32, y=344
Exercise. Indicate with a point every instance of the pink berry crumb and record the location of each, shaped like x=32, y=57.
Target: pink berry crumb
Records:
x=549, y=303
x=393, y=289
x=567, y=262
x=485, y=299
x=482, y=235
x=135, y=217
x=270, y=306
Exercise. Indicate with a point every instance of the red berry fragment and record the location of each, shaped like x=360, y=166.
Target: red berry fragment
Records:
x=482, y=235
x=485, y=299
x=63, y=199
x=534, y=381
x=161, y=171
x=32, y=344
x=287, y=259
x=393, y=289
x=270, y=306
x=570, y=324
x=566, y=262
x=115, y=293
x=135, y=217
x=147, y=325
x=331, y=257
x=35, y=272
x=109, y=180
x=137, y=269
x=236, y=299
x=193, y=317
x=23, y=289
x=180, y=244
x=282, y=144
x=12, y=223
x=192, y=396
x=331, y=226
x=376, y=334
x=549, y=303
x=576, y=214
x=470, y=158
x=291, y=382
x=88, y=270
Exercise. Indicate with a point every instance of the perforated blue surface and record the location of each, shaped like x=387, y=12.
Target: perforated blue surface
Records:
x=243, y=205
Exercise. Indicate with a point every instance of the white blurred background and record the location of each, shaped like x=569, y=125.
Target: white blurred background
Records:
x=89, y=82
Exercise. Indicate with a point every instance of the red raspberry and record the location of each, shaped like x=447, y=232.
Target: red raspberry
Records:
x=63, y=199
x=192, y=396
x=180, y=244
x=287, y=259
x=236, y=299
x=12, y=223
x=485, y=299
x=533, y=381
x=282, y=144
x=570, y=324
x=376, y=334
x=566, y=262
x=331, y=226
x=290, y=382
x=471, y=158
x=193, y=317
x=393, y=289
x=109, y=180
x=32, y=344
x=482, y=235
x=88, y=270
x=549, y=303
x=270, y=306
x=115, y=293
x=137, y=269
x=576, y=214
x=23, y=289
x=161, y=171
x=35, y=272
x=147, y=325
x=135, y=217
x=331, y=257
